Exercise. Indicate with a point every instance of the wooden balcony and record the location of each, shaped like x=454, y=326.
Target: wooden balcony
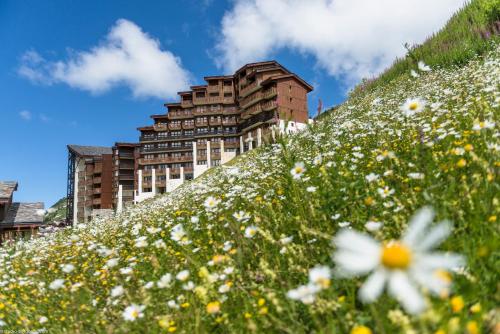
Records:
x=215, y=122
x=174, y=126
x=187, y=126
x=180, y=115
x=160, y=127
x=96, y=180
x=230, y=122
x=187, y=103
x=96, y=201
x=249, y=89
x=97, y=191
x=269, y=105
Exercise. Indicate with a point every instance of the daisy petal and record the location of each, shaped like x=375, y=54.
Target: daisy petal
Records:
x=439, y=260
x=373, y=286
x=417, y=226
x=401, y=288
x=430, y=281
x=436, y=235
x=356, y=242
x=352, y=264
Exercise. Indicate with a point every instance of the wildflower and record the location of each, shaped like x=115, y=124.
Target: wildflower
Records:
x=371, y=177
x=159, y=244
x=298, y=170
x=133, y=312
x=413, y=106
x=188, y=286
x=241, y=216
x=373, y=226
x=211, y=202
x=384, y=192
x=476, y=308
x=423, y=67
x=414, y=74
x=478, y=126
x=172, y=304
x=126, y=271
x=177, y=233
x=457, y=304
x=461, y=163
x=56, y=284
x=416, y=176
x=250, y=231
x=286, y=240
x=320, y=275
x=43, y=319
x=67, y=268
x=141, y=242
x=117, y=291
x=402, y=264
x=164, y=281
x=317, y=160
x=213, y=307
x=361, y=330
x=311, y=189
x=224, y=288
x=472, y=327
x=112, y=263
x=305, y=293
x=182, y=275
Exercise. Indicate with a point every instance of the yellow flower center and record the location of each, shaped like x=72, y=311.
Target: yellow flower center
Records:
x=396, y=256
x=413, y=106
x=135, y=314
x=298, y=170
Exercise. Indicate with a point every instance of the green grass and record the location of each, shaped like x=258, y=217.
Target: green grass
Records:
x=366, y=135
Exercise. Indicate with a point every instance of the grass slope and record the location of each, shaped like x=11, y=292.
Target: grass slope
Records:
x=57, y=212
x=221, y=253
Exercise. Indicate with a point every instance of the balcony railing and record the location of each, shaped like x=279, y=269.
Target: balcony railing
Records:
x=215, y=122
x=186, y=103
x=144, y=161
x=269, y=105
x=160, y=127
x=180, y=115
x=174, y=126
x=229, y=122
x=248, y=89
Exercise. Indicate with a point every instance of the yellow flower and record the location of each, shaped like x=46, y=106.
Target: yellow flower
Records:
x=261, y=301
x=213, y=307
x=248, y=315
x=369, y=201
x=476, y=308
x=263, y=310
x=461, y=163
x=468, y=147
x=492, y=219
x=172, y=329
x=457, y=304
x=361, y=330
x=472, y=327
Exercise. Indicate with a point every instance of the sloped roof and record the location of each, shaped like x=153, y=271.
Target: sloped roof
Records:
x=24, y=213
x=90, y=150
x=7, y=188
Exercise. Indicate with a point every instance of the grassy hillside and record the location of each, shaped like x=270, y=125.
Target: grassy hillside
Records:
x=57, y=212
x=268, y=244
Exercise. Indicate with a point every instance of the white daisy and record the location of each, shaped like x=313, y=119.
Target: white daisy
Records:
x=385, y=192
x=117, y=291
x=211, y=202
x=373, y=226
x=182, y=275
x=67, y=268
x=478, y=126
x=241, y=216
x=177, y=233
x=320, y=275
x=371, y=177
x=311, y=189
x=164, y=281
x=298, y=170
x=43, y=319
x=413, y=106
x=250, y=231
x=305, y=293
x=133, y=312
x=423, y=67
x=414, y=74
x=403, y=265
x=56, y=284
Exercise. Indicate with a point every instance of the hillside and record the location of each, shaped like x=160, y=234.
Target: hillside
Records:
x=268, y=244
x=56, y=213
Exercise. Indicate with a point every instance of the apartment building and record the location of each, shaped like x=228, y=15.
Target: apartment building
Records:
x=18, y=220
x=90, y=178
x=214, y=122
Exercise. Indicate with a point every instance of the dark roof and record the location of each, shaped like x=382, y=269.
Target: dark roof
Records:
x=286, y=76
x=90, y=150
x=214, y=77
x=7, y=188
x=24, y=213
x=260, y=63
x=118, y=144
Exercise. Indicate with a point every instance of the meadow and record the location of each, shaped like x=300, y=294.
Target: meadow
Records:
x=382, y=217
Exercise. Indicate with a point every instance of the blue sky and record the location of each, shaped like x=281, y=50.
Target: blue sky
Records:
x=54, y=101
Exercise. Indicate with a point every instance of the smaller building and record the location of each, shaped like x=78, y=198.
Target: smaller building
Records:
x=90, y=178
x=125, y=157
x=18, y=220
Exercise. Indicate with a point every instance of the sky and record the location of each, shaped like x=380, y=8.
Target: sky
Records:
x=91, y=72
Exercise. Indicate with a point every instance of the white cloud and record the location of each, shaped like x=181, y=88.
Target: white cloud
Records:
x=127, y=56
x=351, y=39
x=26, y=115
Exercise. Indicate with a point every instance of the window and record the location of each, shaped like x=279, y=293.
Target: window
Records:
x=200, y=94
x=162, y=145
x=214, y=107
x=175, y=133
x=163, y=155
x=188, y=132
x=228, y=83
x=228, y=94
x=147, y=178
x=216, y=150
x=188, y=165
x=149, y=156
x=202, y=152
x=202, y=141
x=162, y=134
x=188, y=144
x=213, y=82
x=214, y=94
x=202, y=162
x=176, y=145
x=215, y=163
x=163, y=166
